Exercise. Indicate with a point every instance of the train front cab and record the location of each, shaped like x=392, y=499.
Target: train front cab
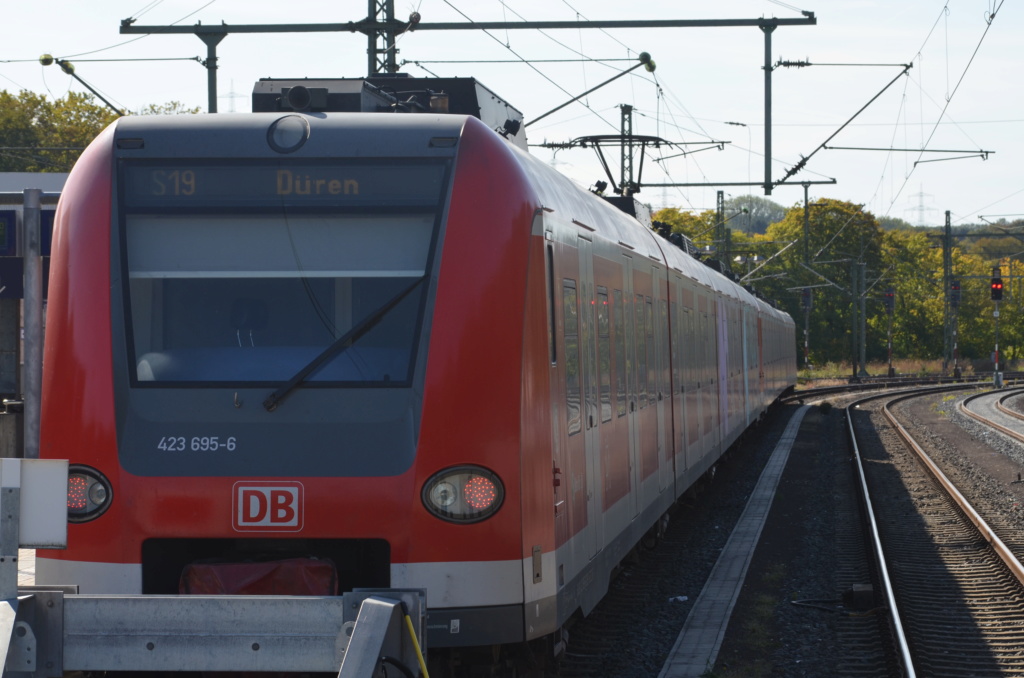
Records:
x=193, y=283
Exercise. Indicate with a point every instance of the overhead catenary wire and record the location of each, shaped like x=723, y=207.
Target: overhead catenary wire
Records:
x=803, y=160
x=121, y=44
x=521, y=58
x=509, y=61
x=145, y=9
x=963, y=74
x=573, y=50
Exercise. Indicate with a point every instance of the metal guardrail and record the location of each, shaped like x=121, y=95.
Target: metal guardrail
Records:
x=46, y=631
x=52, y=631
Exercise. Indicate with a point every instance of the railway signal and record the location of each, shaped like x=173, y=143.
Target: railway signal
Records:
x=806, y=300
x=997, y=295
x=954, y=293
x=890, y=300
x=997, y=289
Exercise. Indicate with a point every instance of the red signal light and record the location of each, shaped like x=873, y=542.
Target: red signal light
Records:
x=480, y=493
x=78, y=488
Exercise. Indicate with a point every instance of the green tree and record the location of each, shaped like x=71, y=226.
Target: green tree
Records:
x=895, y=224
x=38, y=134
x=761, y=213
x=976, y=337
x=914, y=271
x=170, y=108
x=841, y=235
x=994, y=248
x=42, y=135
x=689, y=224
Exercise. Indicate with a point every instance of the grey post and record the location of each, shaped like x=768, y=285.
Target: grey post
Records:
x=33, y=381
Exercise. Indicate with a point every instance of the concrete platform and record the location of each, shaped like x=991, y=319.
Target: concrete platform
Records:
x=697, y=647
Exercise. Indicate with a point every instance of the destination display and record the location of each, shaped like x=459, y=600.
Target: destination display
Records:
x=149, y=185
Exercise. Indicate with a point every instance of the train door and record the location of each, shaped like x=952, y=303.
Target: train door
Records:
x=692, y=378
x=632, y=399
x=761, y=387
x=719, y=366
x=558, y=292
x=660, y=388
x=590, y=405
x=573, y=469
x=676, y=344
x=709, y=371
x=647, y=384
x=611, y=387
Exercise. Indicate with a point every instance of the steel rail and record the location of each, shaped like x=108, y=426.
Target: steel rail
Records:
x=989, y=535
x=903, y=646
x=871, y=384
x=1016, y=435
x=1006, y=410
x=876, y=540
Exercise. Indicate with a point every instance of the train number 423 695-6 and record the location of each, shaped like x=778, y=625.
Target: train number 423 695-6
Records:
x=196, y=444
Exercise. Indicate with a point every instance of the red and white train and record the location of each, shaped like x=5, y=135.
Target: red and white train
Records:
x=395, y=346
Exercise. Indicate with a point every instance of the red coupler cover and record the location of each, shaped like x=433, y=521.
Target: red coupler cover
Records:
x=292, y=577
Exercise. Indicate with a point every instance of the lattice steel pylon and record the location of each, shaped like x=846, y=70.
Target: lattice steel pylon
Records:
x=629, y=187
x=381, y=51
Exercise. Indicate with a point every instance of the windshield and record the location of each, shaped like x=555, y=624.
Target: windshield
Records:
x=254, y=297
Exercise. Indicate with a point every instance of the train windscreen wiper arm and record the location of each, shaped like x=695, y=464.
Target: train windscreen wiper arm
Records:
x=339, y=345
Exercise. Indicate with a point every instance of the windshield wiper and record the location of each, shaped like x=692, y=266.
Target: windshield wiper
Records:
x=339, y=345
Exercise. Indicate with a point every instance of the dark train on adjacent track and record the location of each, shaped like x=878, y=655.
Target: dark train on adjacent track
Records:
x=317, y=347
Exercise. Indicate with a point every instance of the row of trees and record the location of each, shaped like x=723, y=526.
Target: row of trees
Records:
x=40, y=134
x=840, y=236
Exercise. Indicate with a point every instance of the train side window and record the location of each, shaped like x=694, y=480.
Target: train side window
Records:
x=571, y=329
x=641, y=352
x=620, y=353
x=604, y=353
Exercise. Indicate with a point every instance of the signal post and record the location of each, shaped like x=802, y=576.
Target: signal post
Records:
x=997, y=296
x=954, y=304
x=890, y=308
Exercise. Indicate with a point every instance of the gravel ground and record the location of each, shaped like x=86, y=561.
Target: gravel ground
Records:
x=984, y=464
x=780, y=626
x=788, y=620
x=809, y=547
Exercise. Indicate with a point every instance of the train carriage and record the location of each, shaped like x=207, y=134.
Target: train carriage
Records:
x=393, y=344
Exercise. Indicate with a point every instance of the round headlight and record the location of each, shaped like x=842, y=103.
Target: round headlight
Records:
x=463, y=494
x=443, y=494
x=288, y=134
x=89, y=493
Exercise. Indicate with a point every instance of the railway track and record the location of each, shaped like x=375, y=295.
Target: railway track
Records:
x=992, y=411
x=952, y=587
x=958, y=622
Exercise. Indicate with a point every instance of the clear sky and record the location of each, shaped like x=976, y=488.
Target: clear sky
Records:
x=959, y=95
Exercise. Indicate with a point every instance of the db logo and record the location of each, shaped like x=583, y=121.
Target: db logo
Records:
x=267, y=506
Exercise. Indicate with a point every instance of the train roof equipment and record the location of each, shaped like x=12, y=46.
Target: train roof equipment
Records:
x=397, y=93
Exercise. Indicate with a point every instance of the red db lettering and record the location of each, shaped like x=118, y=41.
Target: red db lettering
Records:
x=282, y=511
x=267, y=506
x=254, y=506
